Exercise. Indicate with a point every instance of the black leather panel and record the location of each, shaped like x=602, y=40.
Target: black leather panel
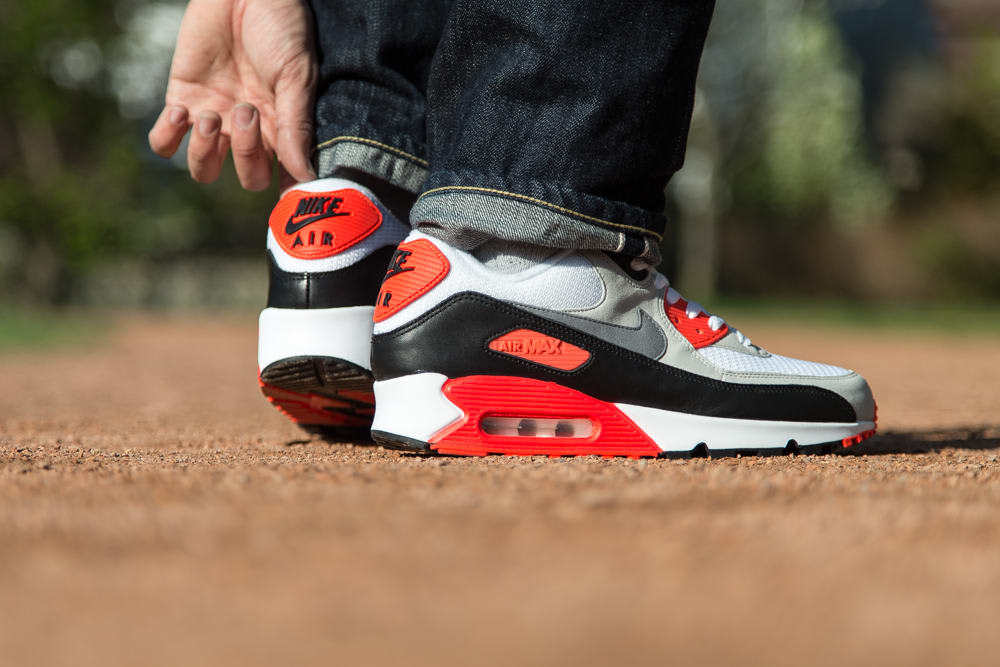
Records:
x=355, y=285
x=452, y=339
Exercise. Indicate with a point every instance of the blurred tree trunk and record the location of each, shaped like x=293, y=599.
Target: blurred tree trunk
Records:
x=696, y=191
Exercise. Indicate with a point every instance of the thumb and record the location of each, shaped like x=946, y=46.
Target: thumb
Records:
x=294, y=107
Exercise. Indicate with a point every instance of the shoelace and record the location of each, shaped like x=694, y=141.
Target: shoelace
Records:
x=693, y=309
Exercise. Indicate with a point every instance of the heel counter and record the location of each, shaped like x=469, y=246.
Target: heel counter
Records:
x=328, y=244
x=353, y=285
x=318, y=220
x=416, y=267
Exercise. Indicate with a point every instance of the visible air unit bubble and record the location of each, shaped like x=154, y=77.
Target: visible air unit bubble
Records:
x=532, y=427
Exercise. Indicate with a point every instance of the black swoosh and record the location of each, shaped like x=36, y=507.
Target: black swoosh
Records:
x=292, y=227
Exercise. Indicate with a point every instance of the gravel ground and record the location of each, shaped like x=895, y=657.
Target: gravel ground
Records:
x=155, y=511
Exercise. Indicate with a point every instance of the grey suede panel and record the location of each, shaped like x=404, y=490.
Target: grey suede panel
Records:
x=645, y=338
x=731, y=342
x=852, y=387
x=625, y=294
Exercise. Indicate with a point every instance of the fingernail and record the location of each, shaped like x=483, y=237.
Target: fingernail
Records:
x=243, y=115
x=208, y=125
x=176, y=115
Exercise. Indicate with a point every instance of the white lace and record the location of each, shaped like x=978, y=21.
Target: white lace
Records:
x=694, y=309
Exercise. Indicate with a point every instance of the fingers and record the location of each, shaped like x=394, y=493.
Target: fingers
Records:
x=253, y=163
x=285, y=180
x=294, y=107
x=168, y=131
x=208, y=145
x=207, y=148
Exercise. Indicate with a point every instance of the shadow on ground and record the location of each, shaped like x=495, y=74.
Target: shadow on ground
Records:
x=923, y=442
x=889, y=442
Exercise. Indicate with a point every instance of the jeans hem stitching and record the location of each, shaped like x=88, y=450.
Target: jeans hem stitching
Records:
x=377, y=144
x=541, y=202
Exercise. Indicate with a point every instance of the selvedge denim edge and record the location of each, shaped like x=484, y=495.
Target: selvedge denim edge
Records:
x=389, y=163
x=467, y=216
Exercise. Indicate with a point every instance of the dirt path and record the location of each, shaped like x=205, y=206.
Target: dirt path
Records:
x=154, y=510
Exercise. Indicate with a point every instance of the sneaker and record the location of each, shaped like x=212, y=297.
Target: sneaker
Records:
x=585, y=353
x=328, y=243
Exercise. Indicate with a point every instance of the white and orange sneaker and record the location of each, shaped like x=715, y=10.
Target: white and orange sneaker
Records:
x=585, y=353
x=328, y=244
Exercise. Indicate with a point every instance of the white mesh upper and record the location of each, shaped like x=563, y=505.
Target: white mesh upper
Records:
x=738, y=362
x=565, y=281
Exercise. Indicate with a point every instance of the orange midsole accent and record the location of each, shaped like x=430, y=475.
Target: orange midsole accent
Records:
x=864, y=435
x=480, y=396
x=311, y=408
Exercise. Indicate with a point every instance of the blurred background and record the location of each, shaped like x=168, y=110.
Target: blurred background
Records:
x=843, y=168
x=845, y=149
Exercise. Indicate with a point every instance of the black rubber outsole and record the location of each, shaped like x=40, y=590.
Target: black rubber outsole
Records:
x=317, y=375
x=325, y=377
x=404, y=444
x=334, y=434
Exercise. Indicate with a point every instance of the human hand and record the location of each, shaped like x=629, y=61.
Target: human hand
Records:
x=243, y=76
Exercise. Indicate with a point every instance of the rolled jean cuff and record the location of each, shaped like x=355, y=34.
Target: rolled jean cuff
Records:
x=467, y=216
x=382, y=160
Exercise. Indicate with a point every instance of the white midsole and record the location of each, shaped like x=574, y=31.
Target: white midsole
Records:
x=341, y=333
x=414, y=406
x=680, y=431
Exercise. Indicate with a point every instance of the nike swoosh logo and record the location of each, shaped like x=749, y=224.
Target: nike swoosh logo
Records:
x=292, y=227
x=647, y=339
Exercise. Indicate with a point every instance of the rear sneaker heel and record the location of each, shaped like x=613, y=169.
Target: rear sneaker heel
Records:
x=323, y=395
x=314, y=368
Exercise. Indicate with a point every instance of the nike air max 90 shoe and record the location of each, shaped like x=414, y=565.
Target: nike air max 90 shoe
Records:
x=328, y=245
x=585, y=353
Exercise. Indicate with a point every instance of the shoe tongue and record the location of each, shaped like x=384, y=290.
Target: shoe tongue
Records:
x=624, y=263
x=508, y=257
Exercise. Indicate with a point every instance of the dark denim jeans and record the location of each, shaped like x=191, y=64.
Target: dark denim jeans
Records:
x=552, y=122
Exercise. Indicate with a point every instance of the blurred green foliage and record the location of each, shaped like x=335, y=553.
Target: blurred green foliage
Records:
x=966, y=153
x=848, y=148
x=783, y=144
x=812, y=158
x=78, y=185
